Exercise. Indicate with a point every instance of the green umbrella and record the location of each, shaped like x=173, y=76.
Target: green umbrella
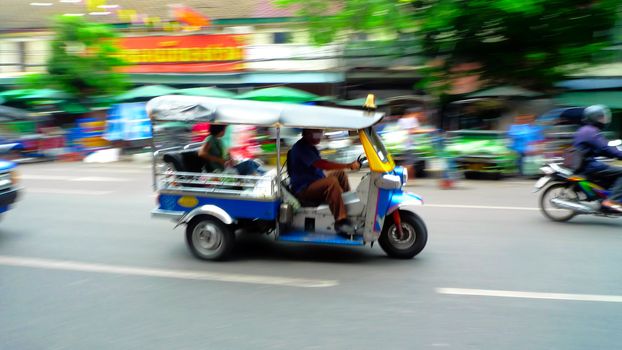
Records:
x=33, y=98
x=146, y=93
x=359, y=102
x=74, y=107
x=207, y=92
x=279, y=94
x=12, y=94
x=45, y=94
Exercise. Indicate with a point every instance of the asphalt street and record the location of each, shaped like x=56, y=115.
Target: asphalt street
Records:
x=84, y=266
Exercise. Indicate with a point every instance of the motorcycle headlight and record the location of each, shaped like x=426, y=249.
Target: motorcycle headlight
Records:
x=14, y=177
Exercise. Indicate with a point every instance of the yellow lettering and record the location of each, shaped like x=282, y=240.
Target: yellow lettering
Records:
x=196, y=54
x=221, y=54
x=184, y=55
x=230, y=54
x=207, y=54
x=170, y=43
x=131, y=56
x=161, y=55
x=134, y=55
x=173, y=55
x=239, y=54
x=151, y=56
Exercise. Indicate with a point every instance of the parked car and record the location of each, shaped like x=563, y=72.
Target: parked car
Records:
x=8, y=185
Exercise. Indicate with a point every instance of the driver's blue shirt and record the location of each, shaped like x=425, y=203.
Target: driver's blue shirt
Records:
x=300, y=167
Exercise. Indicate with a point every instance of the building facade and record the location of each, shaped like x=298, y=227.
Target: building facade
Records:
x=276, y=50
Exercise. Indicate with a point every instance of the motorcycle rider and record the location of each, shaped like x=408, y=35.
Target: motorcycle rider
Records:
x=590, y=140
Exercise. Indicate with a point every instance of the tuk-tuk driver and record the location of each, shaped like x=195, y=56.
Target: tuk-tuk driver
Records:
x=309, y=182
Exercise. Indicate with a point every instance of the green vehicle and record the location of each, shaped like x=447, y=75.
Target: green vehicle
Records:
x=413, y=149
x=479, y=151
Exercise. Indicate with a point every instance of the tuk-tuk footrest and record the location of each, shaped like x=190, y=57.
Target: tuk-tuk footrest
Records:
x=319, y=238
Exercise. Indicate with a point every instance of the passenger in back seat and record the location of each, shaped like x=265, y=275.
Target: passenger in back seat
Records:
x=217, y=159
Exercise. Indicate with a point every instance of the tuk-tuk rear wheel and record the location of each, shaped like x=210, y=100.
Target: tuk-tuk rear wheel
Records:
x=412, y=240
x=209, y=238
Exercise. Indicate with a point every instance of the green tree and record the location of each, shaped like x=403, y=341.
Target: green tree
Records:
x=532, y=43
x=83, y=60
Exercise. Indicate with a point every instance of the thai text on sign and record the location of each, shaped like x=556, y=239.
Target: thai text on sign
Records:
x=183, y=54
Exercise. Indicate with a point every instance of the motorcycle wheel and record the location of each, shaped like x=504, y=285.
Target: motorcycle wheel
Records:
x=549, y=210
x=411, y=243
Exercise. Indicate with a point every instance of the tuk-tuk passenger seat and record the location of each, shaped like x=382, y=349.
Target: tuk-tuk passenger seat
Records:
x=185, y=161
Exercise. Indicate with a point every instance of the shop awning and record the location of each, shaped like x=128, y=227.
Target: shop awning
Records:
x=504, y=91
x=279, y=94
x=611, y=99
x=145, y=93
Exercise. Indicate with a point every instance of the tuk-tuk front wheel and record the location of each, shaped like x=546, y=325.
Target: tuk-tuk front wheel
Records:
x=409, y=242
x=209, y=238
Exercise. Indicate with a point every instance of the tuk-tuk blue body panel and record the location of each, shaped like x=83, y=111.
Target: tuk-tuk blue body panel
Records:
x=391, y=200
x=236, y=208
x=384, y=200
x=400, y=198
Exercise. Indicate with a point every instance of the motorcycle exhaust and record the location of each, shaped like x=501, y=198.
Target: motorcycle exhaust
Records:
x=574, y=206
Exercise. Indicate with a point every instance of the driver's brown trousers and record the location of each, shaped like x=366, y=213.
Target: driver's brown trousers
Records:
x=328, y=190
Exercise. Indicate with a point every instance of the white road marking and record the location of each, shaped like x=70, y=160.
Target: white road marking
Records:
x=43, y=177
x=102, y=170
x=458, y=206
x=531, y=295
x=61, y=191
x=175, y=274
x=73, y=178
x=99, y=179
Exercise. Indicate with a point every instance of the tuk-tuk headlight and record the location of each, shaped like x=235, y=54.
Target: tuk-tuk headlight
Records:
x=14, y=177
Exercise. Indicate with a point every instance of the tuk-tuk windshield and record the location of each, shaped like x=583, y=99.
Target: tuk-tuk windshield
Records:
x=377, y=144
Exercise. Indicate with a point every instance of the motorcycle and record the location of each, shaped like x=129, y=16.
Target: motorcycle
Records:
x=567, y=195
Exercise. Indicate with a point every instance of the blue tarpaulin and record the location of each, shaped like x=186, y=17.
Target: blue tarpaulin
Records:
x=128, y=122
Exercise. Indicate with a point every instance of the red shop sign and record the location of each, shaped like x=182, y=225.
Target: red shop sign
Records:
x=183, y=54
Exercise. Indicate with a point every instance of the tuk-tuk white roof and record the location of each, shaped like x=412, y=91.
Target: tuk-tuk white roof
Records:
x=230, y=111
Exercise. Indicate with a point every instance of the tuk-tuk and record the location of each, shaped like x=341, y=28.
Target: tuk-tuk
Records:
x=214, y=206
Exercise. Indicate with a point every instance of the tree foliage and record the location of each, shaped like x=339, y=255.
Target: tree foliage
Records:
x=83, y=60
x=531, y=43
